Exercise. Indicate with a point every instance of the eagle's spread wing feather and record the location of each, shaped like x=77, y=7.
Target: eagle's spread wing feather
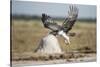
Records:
x=67, y=24
x=70, y=20
x=49, y=23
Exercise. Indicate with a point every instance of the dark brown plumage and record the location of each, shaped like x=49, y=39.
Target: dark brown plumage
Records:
x=67, y=24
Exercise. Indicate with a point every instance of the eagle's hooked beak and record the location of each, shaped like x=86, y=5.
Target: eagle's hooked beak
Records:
x=63, y=34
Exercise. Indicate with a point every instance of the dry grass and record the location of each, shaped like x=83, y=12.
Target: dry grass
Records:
x=27, y=34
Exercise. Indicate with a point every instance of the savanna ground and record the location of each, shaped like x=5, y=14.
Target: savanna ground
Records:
x=26, y=36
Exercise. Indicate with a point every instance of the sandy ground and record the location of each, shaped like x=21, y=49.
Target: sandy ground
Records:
x=22, y=63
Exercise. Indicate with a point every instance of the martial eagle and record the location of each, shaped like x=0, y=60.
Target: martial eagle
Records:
x=66, y=26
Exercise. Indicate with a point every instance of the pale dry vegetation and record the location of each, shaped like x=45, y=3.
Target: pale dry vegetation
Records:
x=26, y=36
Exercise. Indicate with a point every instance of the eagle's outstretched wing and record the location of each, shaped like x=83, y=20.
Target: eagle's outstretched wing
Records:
x=70, y=20
x=67, y=24
x=49, y=23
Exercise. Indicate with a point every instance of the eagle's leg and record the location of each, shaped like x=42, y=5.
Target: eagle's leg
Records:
x=63, y=34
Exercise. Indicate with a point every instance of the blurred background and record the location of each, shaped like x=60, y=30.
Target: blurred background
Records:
x=27, y=27
x=56, y=10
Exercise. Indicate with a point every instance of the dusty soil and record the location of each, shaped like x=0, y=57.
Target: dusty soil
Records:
x=54, y=59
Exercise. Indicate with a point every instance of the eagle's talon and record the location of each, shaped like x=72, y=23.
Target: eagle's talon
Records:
x=67, y=42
